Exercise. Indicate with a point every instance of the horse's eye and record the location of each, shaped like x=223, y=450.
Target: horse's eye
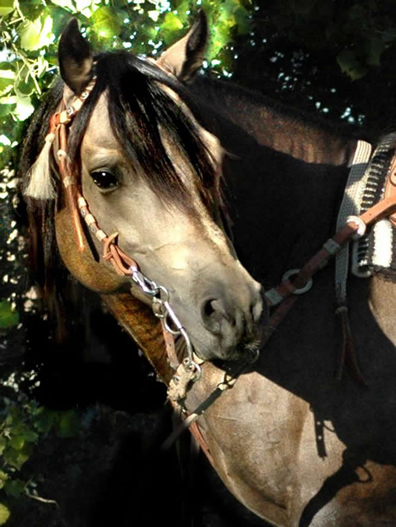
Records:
x=104, y=180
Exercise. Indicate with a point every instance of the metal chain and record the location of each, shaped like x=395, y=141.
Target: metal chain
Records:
x=164, y=311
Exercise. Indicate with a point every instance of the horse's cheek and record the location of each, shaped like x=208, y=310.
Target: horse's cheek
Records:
x=81, y=264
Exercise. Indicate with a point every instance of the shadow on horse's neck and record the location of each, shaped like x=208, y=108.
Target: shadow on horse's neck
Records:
x=285, y=175
x=308, y=138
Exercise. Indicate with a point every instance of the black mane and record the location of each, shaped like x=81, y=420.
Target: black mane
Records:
x=138, y=110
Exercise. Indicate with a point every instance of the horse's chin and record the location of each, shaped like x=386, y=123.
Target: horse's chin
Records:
x=244, y=352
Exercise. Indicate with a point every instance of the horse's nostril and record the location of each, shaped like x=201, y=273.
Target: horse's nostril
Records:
x=208, y=308
x=213, y=313
x=233, y=318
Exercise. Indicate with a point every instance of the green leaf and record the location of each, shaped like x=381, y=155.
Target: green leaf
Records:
x=14, y=487
x=6, y=109
x=119, y=3
x=7, y=76
x=8, y=318
x=17, y=442
x=45, y=420
x=30, y=436
x=3, y=444
x=4, y=514
x=36, y=34
x=69, y=424
x=6, y=6
x=30, y=34
x=16, y=458
x=106, y=22
x=3, y=478
x=66, y=4
x=24, y=107
x=243, y=21
x=171, y=22
x=351, y=65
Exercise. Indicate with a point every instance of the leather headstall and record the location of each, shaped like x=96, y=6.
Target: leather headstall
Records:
x=187, y=370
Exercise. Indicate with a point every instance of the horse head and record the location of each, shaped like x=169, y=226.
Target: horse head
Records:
x=150, y=172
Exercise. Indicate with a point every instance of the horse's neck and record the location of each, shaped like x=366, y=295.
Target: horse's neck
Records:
x=285, y=179
x=272, y=124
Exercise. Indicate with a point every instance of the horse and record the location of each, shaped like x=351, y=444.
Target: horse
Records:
x=204, y=193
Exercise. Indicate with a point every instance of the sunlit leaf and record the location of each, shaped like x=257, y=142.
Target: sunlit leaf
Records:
x=24, y=107
x=6, y=6
x=87, y=5
x=171, y=22
x=30, y=34
x=106, y=22
x=36, y=34
x=7, y=76
x=41, y=66
x=4, y=514
x=154, y=15
x=25, y=84
x=66, y=4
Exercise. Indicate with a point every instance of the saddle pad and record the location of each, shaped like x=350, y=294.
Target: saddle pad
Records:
x=376, y=251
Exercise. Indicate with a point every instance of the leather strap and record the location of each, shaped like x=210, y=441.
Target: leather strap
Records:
x=390, y=188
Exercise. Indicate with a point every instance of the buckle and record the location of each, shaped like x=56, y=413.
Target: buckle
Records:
x=301, y=290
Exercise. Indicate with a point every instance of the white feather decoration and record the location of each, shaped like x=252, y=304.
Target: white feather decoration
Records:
x=40, y=184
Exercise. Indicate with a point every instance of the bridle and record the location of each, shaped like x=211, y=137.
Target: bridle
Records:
x=188, y=369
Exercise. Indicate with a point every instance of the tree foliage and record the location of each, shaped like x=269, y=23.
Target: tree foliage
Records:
x=358, y=31
x=30, y=30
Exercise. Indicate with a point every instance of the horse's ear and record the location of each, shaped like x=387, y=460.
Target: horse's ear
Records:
x=184, y=57
x=75, y=58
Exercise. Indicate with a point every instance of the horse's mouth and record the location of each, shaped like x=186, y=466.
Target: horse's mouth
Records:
x=245, y=351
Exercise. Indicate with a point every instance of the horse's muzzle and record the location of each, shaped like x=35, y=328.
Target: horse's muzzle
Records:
x=235, y=319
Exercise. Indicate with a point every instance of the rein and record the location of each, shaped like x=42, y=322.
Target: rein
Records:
x=284, y=296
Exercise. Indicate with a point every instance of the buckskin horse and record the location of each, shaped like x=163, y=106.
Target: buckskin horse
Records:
x=143, y=149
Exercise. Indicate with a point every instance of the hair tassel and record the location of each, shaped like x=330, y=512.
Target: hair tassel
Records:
x=40, y=184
